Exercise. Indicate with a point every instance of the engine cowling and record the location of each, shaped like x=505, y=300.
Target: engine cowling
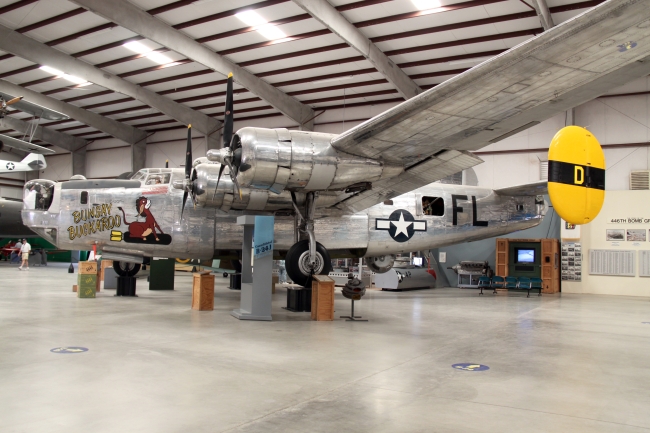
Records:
x=279, y=159
x=380, y=264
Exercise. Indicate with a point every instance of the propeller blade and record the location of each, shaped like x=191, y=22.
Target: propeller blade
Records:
x=234, y=180
x=228, y=113
x=223, y=166
x=184, y=200
x=14, y=100
x=188, y=153
x=166, y=163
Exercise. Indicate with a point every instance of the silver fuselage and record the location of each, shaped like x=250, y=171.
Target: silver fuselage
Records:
x=84, y=213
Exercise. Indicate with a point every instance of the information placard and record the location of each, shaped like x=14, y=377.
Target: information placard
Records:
x=612, y=262
x=644, y=263
x=263, y=236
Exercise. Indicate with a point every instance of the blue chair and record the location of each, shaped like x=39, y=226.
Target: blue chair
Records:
x=536, y=283
x=511, y=283
x=524, y=284
x=497, y=283
x=484, y=282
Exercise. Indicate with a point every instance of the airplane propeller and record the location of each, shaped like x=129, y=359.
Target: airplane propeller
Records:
x=14, y=100
x=190, y=174
x=230, y=154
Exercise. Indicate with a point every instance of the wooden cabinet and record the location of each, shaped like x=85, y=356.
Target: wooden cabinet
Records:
x=203, y=291
x=549, y=262
x=322, y=298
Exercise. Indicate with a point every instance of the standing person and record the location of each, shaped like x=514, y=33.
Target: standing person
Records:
x=24, y=250
x=15, y=254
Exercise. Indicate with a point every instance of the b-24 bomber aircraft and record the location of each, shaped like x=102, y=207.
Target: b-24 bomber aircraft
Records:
x=368, y=192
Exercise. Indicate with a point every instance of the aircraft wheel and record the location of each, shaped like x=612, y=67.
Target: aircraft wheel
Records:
x=125, y=269
x=297, y=263
x=225, y=274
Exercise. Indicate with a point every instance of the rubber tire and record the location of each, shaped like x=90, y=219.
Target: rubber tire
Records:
x=293, y=269
x=126, y=272
x=225, y=274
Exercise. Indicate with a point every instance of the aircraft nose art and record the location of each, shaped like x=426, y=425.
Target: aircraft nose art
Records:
x=576, y=175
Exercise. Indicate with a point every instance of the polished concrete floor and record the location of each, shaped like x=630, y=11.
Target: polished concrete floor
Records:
x=573, y=363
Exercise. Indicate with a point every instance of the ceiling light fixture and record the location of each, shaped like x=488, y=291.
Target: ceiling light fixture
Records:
x=51, y=70
x=140, y=48
x=60, y=74
x=262, y=26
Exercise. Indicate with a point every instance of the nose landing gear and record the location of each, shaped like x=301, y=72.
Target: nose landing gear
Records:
x=307, y=257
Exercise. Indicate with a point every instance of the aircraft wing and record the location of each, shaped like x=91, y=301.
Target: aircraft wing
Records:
x=529, y=189
x=23, y=145
x=35, y=109
x=580, y=59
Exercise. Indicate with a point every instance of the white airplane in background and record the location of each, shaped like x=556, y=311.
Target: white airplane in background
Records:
x=33, y=161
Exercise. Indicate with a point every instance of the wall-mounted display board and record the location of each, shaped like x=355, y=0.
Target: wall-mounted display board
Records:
x=644, y=263
x=612, y=262
x=571, y=261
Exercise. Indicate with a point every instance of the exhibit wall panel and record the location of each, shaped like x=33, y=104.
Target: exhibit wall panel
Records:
x=622, y=211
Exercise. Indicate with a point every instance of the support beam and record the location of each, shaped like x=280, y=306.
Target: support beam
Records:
x=322, y=11
x=76, y=145
x=137, y=20
x=139, y=155
x=79, y=162
x=27, y=48
x=544, y=13
x=137, y=138
x=119, y=130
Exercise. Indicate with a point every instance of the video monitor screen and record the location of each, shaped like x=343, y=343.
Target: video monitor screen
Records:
x=417, y=261
x=525, y=255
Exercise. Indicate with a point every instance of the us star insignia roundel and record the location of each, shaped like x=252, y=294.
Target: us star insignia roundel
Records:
x=10, y=166
x=401, y=225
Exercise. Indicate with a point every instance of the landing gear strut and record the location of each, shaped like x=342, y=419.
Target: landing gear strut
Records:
x=307, y=257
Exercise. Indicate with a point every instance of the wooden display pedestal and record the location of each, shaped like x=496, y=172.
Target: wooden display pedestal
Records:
x=322, y=298
x=203, y=291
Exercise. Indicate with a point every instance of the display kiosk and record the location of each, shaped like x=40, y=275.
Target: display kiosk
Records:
x=256, y=290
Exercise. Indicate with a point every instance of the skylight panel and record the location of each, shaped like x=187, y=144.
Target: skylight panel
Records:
x=253, y=19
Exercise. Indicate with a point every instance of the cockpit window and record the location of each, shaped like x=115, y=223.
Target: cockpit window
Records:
x=138, y=175
x=38, y=194
x=158, y=179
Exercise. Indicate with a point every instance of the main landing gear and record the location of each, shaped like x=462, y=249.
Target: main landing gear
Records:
x=307, y=257
x=126, y=269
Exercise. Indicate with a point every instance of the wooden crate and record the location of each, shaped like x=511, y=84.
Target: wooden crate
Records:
x=86, y=285
x=203, y=291
x=322, y=298
x=88, y=268
x=274, y=280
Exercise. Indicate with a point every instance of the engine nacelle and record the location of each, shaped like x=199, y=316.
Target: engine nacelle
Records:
x=380, y=264
x=279, y=159
x=224, y=197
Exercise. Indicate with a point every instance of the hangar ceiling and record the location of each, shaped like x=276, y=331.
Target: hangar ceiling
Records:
x=156, y=65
